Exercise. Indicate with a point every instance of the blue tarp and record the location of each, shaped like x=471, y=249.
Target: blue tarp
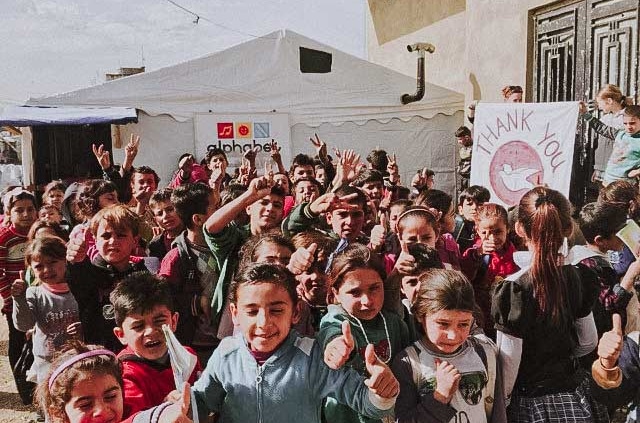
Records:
x=34, y=116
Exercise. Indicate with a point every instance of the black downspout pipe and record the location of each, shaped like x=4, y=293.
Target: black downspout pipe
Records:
x=421, y=48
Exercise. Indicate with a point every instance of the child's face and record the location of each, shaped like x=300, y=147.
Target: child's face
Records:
x=631, y=124
x=115, y=246
x=22, y=214
x=465, y=141
x=447, y=330
x=268, y=252
x=314, y=286
x=49, y=270
x=320, y=174
x=107, y=199
x=417, y=230
x=264, y=313
x=51, y=215
x=54, y=197
x=143, y=185
x=300, y=172
x=468, y=209
x=95, y=398
x=361, y=293
x=409, y=287
x=448, y=221
x=218, y=161
x=306, y=192
x=493, y=233
x=394, y=213
x=282, y=181
x=143, y=332
x=266, y=213
x=347, y=223
x=604, y=104
x=165, y=216
x=373, y=190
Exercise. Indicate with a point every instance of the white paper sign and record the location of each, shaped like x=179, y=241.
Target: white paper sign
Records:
x=235, y=134
x=517, y=146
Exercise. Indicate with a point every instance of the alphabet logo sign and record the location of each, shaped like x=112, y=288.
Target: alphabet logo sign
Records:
x=518, y=146
x=236, y=134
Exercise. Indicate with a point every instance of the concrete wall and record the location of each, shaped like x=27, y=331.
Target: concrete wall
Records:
x=478, y=50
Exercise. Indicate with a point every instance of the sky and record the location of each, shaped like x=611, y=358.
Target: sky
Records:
x=54, y=46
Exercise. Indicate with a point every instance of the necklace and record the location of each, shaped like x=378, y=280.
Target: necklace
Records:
x=366, y=338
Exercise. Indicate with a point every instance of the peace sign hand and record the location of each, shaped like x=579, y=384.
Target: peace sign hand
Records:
x=102, y=155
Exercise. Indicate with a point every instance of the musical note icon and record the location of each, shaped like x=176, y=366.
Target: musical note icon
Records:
x=225, y=130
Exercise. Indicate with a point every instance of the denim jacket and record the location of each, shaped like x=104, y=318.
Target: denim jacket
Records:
x=289, y=387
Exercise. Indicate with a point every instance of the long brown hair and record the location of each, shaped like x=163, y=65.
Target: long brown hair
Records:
x=545, y=216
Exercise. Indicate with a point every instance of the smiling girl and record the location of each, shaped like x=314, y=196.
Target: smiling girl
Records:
x=356, y=319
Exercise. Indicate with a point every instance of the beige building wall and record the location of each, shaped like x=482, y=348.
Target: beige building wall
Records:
x=479, y=49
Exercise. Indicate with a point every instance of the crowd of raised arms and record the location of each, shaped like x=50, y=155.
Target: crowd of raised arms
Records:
x=326, y=291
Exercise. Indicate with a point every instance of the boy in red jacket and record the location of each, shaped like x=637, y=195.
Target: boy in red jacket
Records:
x=142, y=304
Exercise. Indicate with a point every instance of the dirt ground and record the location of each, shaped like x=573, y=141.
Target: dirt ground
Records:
x=11, y=408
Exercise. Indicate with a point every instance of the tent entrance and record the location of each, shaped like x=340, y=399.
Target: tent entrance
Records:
x=64, y=152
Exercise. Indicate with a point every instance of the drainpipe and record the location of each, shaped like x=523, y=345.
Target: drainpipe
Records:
x=421, y=48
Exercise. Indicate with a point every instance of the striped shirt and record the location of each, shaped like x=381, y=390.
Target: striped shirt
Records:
x=12, y=248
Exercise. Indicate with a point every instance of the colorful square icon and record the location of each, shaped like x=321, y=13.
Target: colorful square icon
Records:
x=243, y=130
x=225, y=130
x=261, y=130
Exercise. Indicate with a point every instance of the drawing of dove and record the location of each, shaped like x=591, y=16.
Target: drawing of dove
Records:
x=516, y=179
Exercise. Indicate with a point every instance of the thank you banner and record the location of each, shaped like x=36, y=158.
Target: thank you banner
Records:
x=517, y=146
x=237, y=133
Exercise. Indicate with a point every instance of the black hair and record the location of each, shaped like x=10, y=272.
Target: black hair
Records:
x=146, y=170
x=378, y=160
x=463, y=131
x=366, y=176
x=434, y=198
x=255, y=273
x=603, y=219
x=139, y=292
x=190, y=199
x=476, y=193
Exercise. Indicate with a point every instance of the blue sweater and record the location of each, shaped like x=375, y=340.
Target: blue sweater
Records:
x=288, y=387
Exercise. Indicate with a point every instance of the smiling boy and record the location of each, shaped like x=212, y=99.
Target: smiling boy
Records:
x=142, y=304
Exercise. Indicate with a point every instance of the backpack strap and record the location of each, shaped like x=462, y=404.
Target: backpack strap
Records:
x=488, y=352
x=414, y=360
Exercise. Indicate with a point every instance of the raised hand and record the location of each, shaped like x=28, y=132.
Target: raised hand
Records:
x=302, y=259
x=320, y=146
x=251, y=154
x=74, y=329
x=419, y=180
x=131, y=151
x=178, y=411
x=331, y=201
x=447, y=380
x=338, y=351
x=385, y=202
x=610, y=344
x=77, y=246
x=379, y=234
x=261, y=186
x=406, y=263
x=19, y=286
x=102, y=156
x=381, y=381
x=275, y=151
x=392, y=164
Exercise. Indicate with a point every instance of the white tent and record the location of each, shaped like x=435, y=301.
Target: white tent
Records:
x=355, y=105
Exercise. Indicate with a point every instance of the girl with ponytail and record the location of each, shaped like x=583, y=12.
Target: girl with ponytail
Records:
x=544, y=321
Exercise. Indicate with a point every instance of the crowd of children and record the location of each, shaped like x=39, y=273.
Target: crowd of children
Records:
x=328, y=292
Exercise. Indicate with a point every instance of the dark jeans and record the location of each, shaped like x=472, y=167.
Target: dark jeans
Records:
x=16, y=341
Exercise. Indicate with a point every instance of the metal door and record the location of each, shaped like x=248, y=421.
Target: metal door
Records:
x=578, y=47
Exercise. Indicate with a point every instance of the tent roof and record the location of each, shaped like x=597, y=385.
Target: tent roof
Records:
x=33, y=116
x=263, y=75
